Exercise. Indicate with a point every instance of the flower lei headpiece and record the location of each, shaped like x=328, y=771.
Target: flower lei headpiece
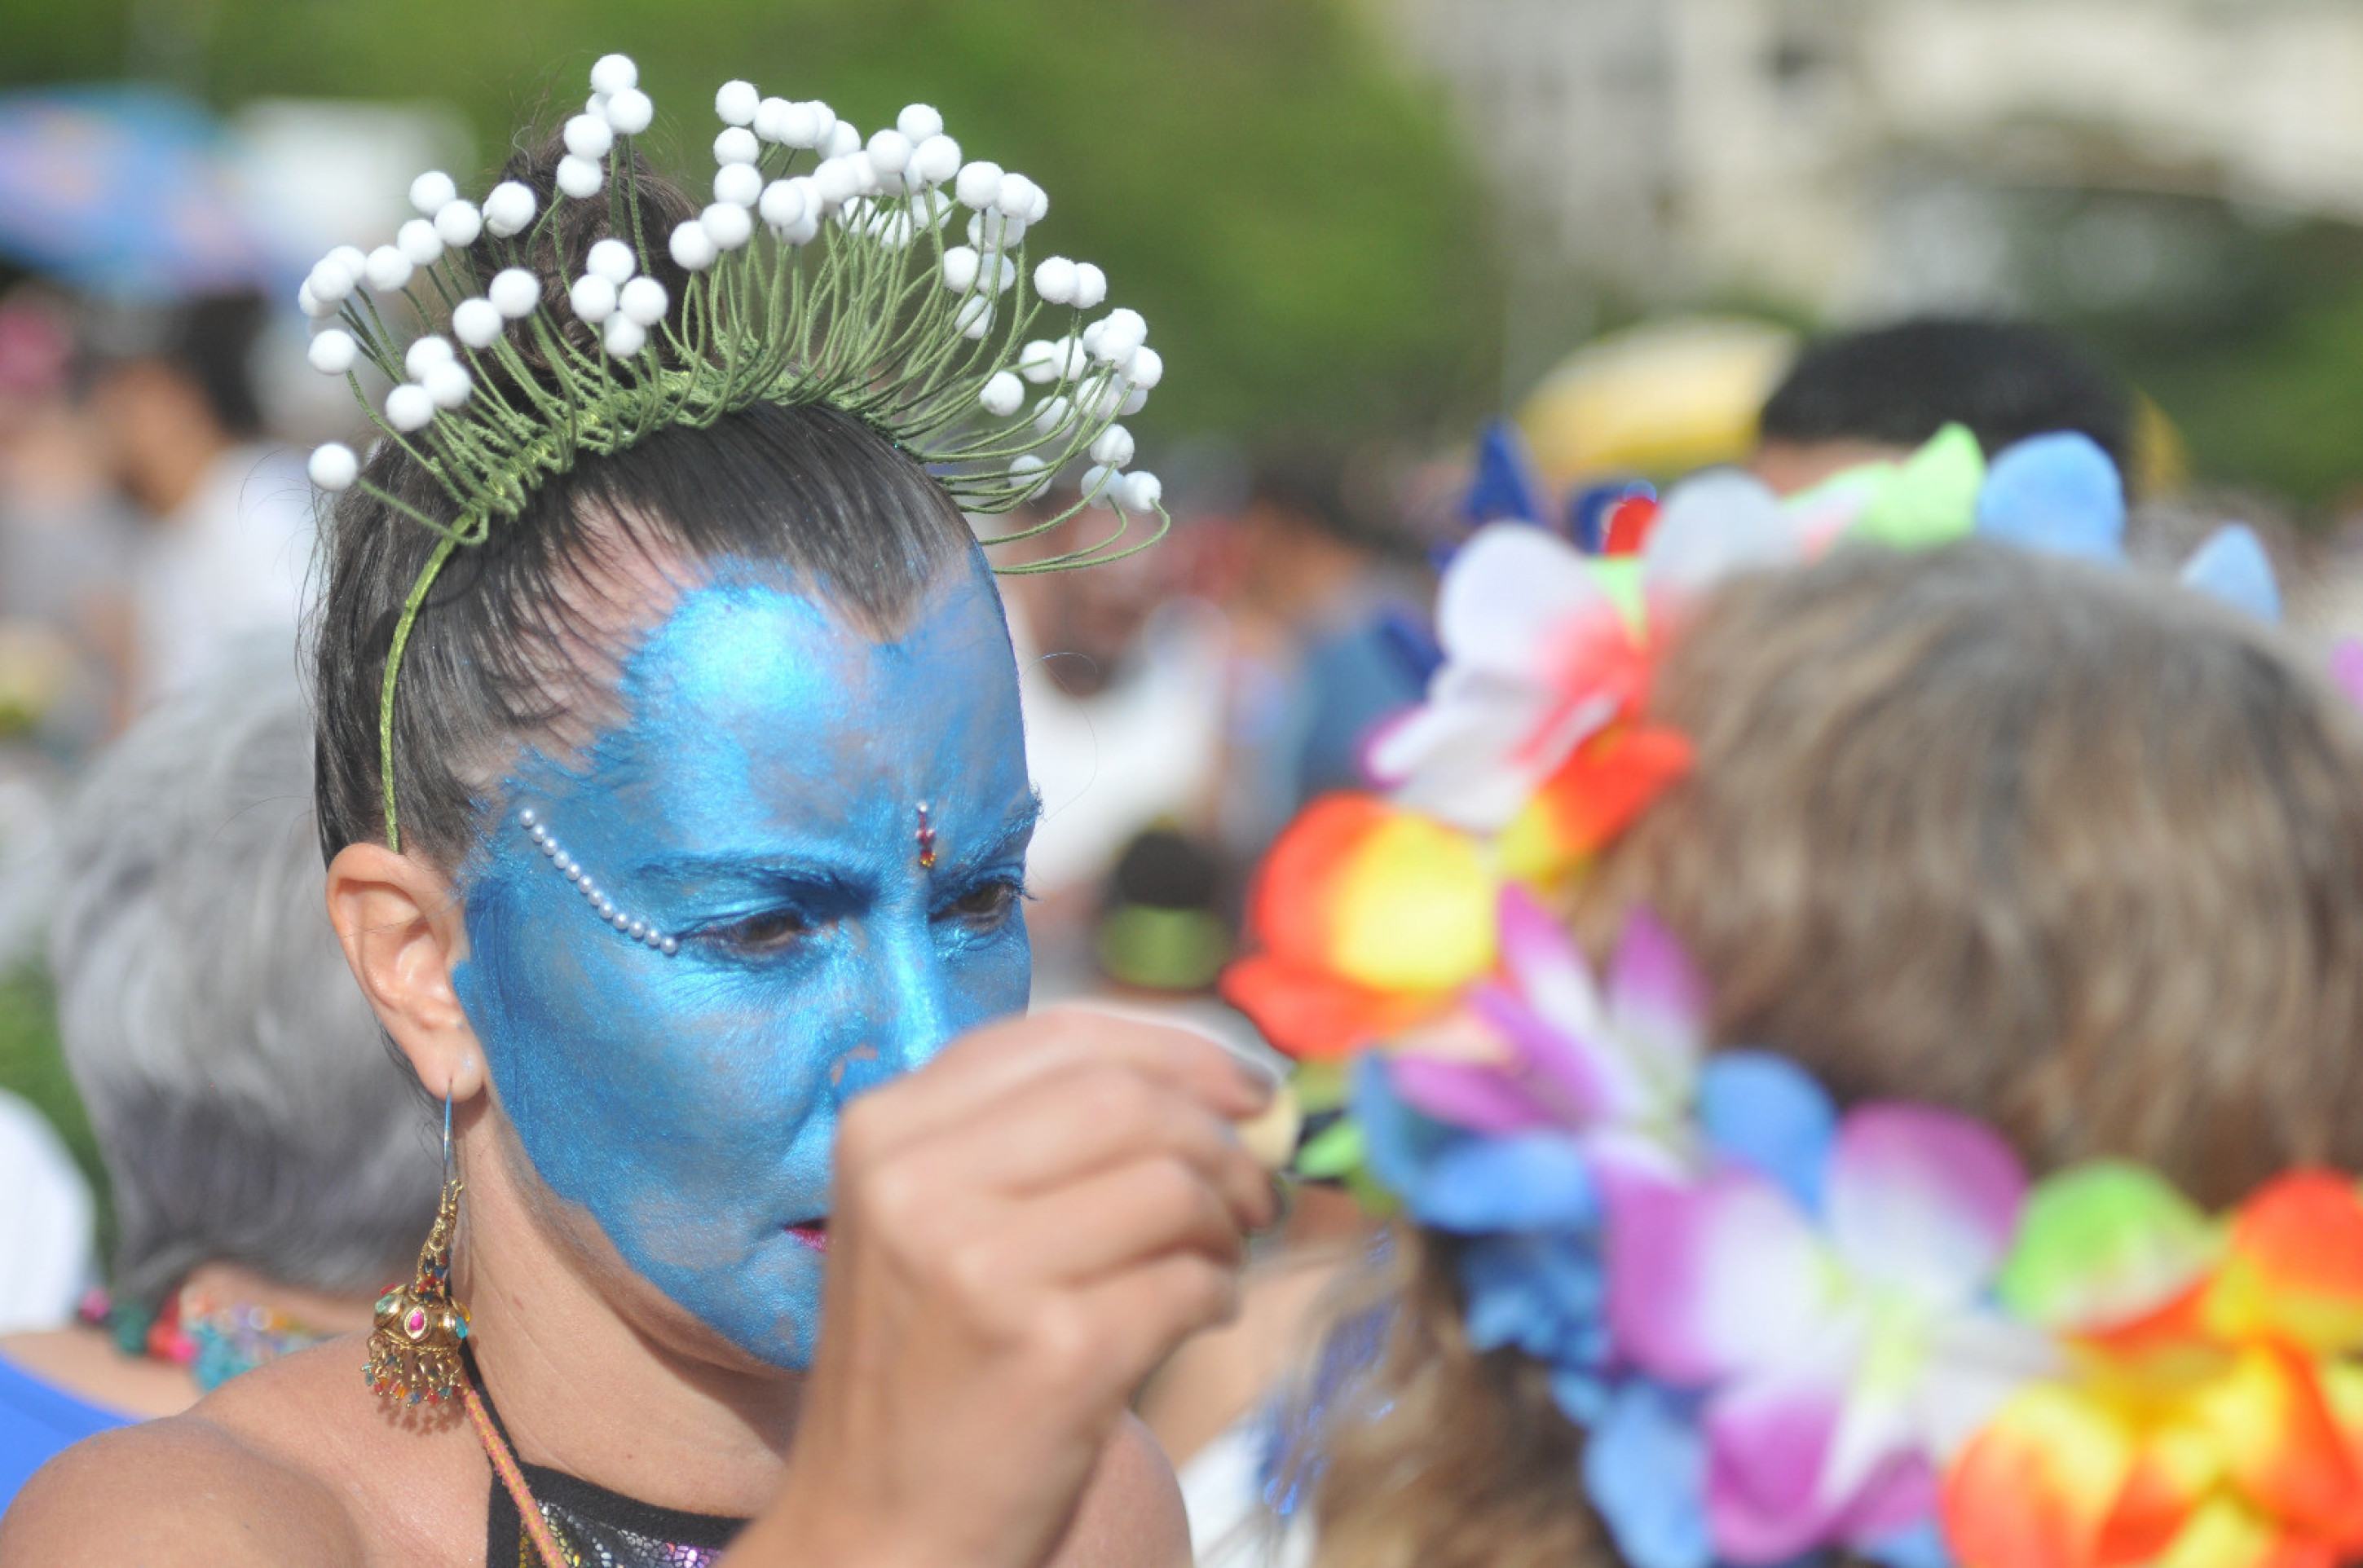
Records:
x=1785, y=1327
x=821, y=273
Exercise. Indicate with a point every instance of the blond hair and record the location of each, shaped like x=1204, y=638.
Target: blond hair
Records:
x=2062, y=847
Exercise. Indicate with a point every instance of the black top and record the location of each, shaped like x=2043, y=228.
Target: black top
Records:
x=599, y=1527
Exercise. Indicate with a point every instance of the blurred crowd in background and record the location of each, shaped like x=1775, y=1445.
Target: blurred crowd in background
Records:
x=1367, y=231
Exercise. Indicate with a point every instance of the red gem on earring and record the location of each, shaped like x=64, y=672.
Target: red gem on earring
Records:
x=926, y=837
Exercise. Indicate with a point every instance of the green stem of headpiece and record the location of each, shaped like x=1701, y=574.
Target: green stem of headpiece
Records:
x=410, y=606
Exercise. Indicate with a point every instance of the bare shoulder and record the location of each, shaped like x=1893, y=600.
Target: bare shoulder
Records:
x=1131, y=1517
x=179, y=1490
x=293, y=1462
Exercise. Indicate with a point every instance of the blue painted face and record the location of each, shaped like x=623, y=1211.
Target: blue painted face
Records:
x=761, y=805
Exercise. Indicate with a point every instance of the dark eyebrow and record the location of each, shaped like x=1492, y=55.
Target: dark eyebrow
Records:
x=1015, y=829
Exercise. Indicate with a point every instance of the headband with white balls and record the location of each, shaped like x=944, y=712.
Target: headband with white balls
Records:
x=833, y=286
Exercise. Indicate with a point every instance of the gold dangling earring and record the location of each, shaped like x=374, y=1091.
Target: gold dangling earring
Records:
x=414, y=1351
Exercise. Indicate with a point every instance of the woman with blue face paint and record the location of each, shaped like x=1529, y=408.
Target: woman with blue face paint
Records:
x=673, y=792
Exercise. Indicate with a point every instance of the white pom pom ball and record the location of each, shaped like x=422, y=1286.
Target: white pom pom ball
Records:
x=1100, y=483
x=629, y=112
x=919, y=121
x=408, y=407
x=589, y=136
x=388, y=269
x=425, y=354
x=1030, y=468
x=509, y=208
x=432, y=191
x=643, y=300
x=728, y=225
x=736, y=102
x=993, y=231
x=328, y=281
x=1038, y=362
x=974, y=317
x=615, y=73
x=835, y=182
x=1005, y=274
x=844, y=142
x=936, y=159
x=351, y=259
x=1002, y=395
x=737, y=145
x=1054, y=279
x=1134, y=402
x=476, y=322
x=740, y=184
x=624, y=337
x=613, y=260
x=580, y=178
x=332, y=352
x=783, y=203
x=1142, y=492
x=693, y=248
x=334, y=467
x=824, y=125
x=447, y=384
x=1016, y=197
x=515, y=293
x=310, y=303
x=889, y=152
x=1051, y=413
x=1091, y=286
x=771, y=116
x=961, y=268
x=593, y=298
x=1114, y=448
x=1148, y=369
x=977, y=185
x=1120, y=336
x=799, y=125
x=459, y=224
x=1040, y=207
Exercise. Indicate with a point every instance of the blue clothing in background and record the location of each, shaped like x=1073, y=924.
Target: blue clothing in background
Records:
x=37, y=1420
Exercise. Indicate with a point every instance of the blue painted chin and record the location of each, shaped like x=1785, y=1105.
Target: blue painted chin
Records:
x=761, y=805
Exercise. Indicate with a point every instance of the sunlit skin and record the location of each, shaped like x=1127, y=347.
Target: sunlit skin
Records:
x=760, y=803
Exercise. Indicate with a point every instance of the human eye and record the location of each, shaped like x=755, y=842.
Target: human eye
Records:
x=770, y=931
x=987, y=906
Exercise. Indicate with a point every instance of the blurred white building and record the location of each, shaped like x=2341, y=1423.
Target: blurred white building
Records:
x=1857, y=154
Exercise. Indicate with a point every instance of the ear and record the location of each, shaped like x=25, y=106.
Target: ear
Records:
x=400, y=924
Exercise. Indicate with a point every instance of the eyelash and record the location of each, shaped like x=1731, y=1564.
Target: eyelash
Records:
x=986, y=907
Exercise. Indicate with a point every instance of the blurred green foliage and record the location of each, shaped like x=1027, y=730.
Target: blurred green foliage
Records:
x=1256, y=175
x=32, y=1066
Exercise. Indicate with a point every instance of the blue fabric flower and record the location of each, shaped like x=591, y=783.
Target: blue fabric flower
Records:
x=1644, y=1467
x=1765, y=1112
x=2058, y=492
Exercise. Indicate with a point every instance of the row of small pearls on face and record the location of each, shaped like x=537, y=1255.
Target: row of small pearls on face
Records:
x=631, y=925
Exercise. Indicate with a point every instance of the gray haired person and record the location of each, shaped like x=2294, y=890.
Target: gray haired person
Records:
x=271, y=1167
